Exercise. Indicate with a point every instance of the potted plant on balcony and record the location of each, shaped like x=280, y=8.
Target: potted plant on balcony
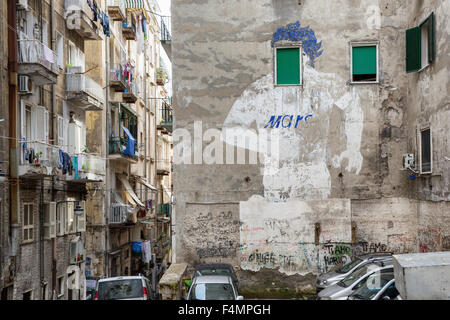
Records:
x=161, y=76
x=37, y=156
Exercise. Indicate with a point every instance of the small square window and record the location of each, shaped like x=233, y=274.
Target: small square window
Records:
x=364, y=63
x=288, y=66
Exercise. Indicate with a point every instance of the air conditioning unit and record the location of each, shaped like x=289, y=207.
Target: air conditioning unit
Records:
x=25, y=85
x=22, y=4
x=408, y=162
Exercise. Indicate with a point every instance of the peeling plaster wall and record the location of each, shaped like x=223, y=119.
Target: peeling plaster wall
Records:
x=340, y=167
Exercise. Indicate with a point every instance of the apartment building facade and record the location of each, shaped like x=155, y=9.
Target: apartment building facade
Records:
x=84, y=166
x=302, y=135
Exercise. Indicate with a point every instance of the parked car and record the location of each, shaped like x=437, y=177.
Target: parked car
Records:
x=356, y=279
x=209, y=269
x=382, y=288
x=330, y=278
x=123, y=288
x=213, y=288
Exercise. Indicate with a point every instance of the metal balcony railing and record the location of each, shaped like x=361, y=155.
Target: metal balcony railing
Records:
x=118, y=214
x=165, y=28
x=35, y=52
x=116, y=74
x=166, y=115
x=117, y=145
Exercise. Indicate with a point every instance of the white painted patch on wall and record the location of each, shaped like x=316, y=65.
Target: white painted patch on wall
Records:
x=299, y=169
x=298, y=172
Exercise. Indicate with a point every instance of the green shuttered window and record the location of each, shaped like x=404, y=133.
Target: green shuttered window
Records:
x=420, y=45
x=364, y=63
x=288, y=66
x=413, y=53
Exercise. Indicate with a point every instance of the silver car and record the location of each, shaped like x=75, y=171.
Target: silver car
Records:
x=123, y=288
x=330, y=278
x=383, y=289
x=355, y=280
x=213, y=288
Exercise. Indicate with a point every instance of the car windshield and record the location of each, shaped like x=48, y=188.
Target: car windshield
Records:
x=349, y=266
x=212, y=291
x=120, y=289
x=210, y=272
x=352, y=277
x=373, y=284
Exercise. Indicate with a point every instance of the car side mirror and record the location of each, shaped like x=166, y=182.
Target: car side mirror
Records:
x=240, y=298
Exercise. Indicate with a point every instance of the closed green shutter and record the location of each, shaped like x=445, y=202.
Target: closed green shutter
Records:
x=288, y=66
x=431, y=38
x=413, y=52
x=364, y=60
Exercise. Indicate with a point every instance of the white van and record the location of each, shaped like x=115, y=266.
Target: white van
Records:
x=123, y=288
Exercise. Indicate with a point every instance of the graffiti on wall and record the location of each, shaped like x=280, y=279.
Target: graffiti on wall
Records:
x=218, y=224
x=305, y=35
x=429, y=239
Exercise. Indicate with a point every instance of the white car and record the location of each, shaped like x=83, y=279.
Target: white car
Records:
x=213, y=288
x=123, y=288
x=344, y=288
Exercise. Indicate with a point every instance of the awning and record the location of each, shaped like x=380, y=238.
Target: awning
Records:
x=142, y=181
x=130, y=192
x=137, y=6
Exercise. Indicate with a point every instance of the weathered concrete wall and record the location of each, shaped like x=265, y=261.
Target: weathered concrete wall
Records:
x=347, y=157
x=429, y=105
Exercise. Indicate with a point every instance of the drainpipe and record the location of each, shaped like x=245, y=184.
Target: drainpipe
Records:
x=147, y=114
x=106, y=153
x=53, y=141
x=13, y=146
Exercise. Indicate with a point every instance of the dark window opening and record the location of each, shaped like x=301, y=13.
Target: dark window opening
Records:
x=425, y=136
x=364, y=77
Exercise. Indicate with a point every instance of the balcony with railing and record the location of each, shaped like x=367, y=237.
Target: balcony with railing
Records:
x=80, y=18
x=129, y=27
x=161, y=76
x=82, y=90
x=118, y=150
x=165, y=36
x=130, y=95
x=117, y=79
x=116, y=10
x=37, y=61
x=91, y=168
x=38, y=158
x=166, y=120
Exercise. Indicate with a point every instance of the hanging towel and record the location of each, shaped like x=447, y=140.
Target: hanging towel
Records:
x=140, y=36
x=75, y=165
x=61, y=159
x=146, y=252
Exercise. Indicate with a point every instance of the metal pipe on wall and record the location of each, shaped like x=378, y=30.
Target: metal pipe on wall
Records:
x=12, y=108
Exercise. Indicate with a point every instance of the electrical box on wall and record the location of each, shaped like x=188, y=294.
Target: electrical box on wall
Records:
x=408, y=161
